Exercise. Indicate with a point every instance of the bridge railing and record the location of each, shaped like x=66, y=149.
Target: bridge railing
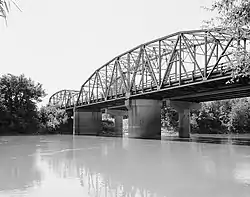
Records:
x=189, y=77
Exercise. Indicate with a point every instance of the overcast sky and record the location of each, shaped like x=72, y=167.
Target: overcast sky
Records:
x=61, y=43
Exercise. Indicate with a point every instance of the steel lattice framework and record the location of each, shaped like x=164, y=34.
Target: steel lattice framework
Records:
x=178, y=59
x=64, y=98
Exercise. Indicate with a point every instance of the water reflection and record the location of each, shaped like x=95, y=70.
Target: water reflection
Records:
x=17, y=170
x=214, y=139
x=91, y=166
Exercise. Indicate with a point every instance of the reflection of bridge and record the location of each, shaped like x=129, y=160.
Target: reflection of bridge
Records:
x=185, y=68
x=163, y=169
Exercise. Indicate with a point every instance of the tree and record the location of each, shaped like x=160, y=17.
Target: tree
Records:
x=19, y=96
x=240, y=116
x=234, y=17
x=52, y=118
x=232, y=14
x=5, y=7
x=213, y=117
x=169, y=117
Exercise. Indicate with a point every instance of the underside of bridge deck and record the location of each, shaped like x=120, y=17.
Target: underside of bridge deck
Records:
x=143, y=119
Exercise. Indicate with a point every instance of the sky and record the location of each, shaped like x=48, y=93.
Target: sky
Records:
x=60, y=43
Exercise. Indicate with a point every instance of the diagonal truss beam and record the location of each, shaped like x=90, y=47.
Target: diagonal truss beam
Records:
x=222, y=54
x=192, y=55
x=170, y=59
x=169, y=64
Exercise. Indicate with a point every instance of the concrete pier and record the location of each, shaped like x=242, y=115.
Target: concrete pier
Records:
x=119, y=125
x=183, y=108
x=87, y=121
x=144, y=118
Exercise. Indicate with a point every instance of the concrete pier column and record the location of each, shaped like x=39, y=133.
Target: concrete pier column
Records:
x=119, y=125
x=144, y=118
x=183, y=108
x=87, y=121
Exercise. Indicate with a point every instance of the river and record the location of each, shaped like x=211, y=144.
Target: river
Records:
x=39, y=166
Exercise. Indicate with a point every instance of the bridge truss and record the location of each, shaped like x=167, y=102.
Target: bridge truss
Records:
x=64, y=98
x=178, y=59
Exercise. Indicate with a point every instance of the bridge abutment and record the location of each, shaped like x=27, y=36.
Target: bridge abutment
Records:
x=144, y=118
x=87, y=121
x=183, y=108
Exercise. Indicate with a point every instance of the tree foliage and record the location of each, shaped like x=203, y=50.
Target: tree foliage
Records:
x=52, y=118
x=240, y=116
x=5, y=6
x=232, y=14
x=226, y=116
x=19, y=96
x=213, y=117
x=169, y=117
x=234, y=17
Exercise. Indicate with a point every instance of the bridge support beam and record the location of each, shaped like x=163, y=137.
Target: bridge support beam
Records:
x=183, y=108
x=144, y=118
x=118, y=116
x=87, y=121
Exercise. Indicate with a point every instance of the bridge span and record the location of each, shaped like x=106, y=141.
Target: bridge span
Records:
x=184, y=68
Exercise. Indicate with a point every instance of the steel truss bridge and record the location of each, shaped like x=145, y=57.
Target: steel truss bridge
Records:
x=186, y=66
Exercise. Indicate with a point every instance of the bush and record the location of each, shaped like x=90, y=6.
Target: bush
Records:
x=169, y=118
x=240, y=116
x=52, y=118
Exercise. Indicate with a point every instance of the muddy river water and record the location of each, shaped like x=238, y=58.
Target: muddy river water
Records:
x=39, y=166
